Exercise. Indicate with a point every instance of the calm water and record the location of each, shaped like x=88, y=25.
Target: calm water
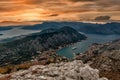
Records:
x=15, y=32
x=84, y=45
x=67, y=51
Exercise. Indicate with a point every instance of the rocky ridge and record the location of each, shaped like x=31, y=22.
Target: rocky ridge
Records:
x=74, y=70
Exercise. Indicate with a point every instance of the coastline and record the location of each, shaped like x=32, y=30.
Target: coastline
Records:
x=43, y=58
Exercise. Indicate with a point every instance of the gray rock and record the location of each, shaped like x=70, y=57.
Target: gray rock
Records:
x=74, y=70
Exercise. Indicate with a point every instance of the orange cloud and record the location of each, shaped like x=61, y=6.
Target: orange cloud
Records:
x=38, y=10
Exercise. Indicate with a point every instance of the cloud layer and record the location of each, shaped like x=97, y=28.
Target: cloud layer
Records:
x=38, y=10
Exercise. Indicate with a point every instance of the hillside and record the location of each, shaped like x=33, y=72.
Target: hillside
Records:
x=24, y=49
x=74, y=70
x=104, y=57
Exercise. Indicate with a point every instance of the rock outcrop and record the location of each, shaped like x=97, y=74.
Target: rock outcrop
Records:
x=74, y=70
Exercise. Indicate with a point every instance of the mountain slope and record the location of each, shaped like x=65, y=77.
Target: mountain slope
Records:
x=74, y=70
x=105, y=57
x=24, y=49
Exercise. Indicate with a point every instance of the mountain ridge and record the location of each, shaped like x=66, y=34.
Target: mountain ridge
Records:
x=24, y=49
x=105, y=29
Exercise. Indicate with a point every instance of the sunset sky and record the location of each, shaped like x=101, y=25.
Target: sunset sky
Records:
x=17, y=11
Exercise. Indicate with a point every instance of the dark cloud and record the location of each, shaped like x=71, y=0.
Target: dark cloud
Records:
x=102, y=18
x=54, y=15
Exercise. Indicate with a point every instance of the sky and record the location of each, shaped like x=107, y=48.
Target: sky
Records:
x=32, y=11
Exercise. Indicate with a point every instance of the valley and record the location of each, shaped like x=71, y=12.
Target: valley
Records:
x=23, y=47
x=59, y=39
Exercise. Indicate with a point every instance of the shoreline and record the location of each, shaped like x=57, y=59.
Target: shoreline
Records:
x=41, y=57
x=61, y=47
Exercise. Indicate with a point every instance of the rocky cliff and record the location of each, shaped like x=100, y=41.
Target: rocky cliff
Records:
x=74, y=70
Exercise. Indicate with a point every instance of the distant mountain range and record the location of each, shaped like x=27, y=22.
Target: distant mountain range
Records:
x=24, y=49
x=5, y=28
x=106, y=29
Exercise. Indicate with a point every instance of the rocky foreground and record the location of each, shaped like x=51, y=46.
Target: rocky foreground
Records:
x=74, y=70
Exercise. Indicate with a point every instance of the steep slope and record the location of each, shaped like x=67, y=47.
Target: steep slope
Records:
x=24, y=49
x=74, y=70
x=106, y=58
